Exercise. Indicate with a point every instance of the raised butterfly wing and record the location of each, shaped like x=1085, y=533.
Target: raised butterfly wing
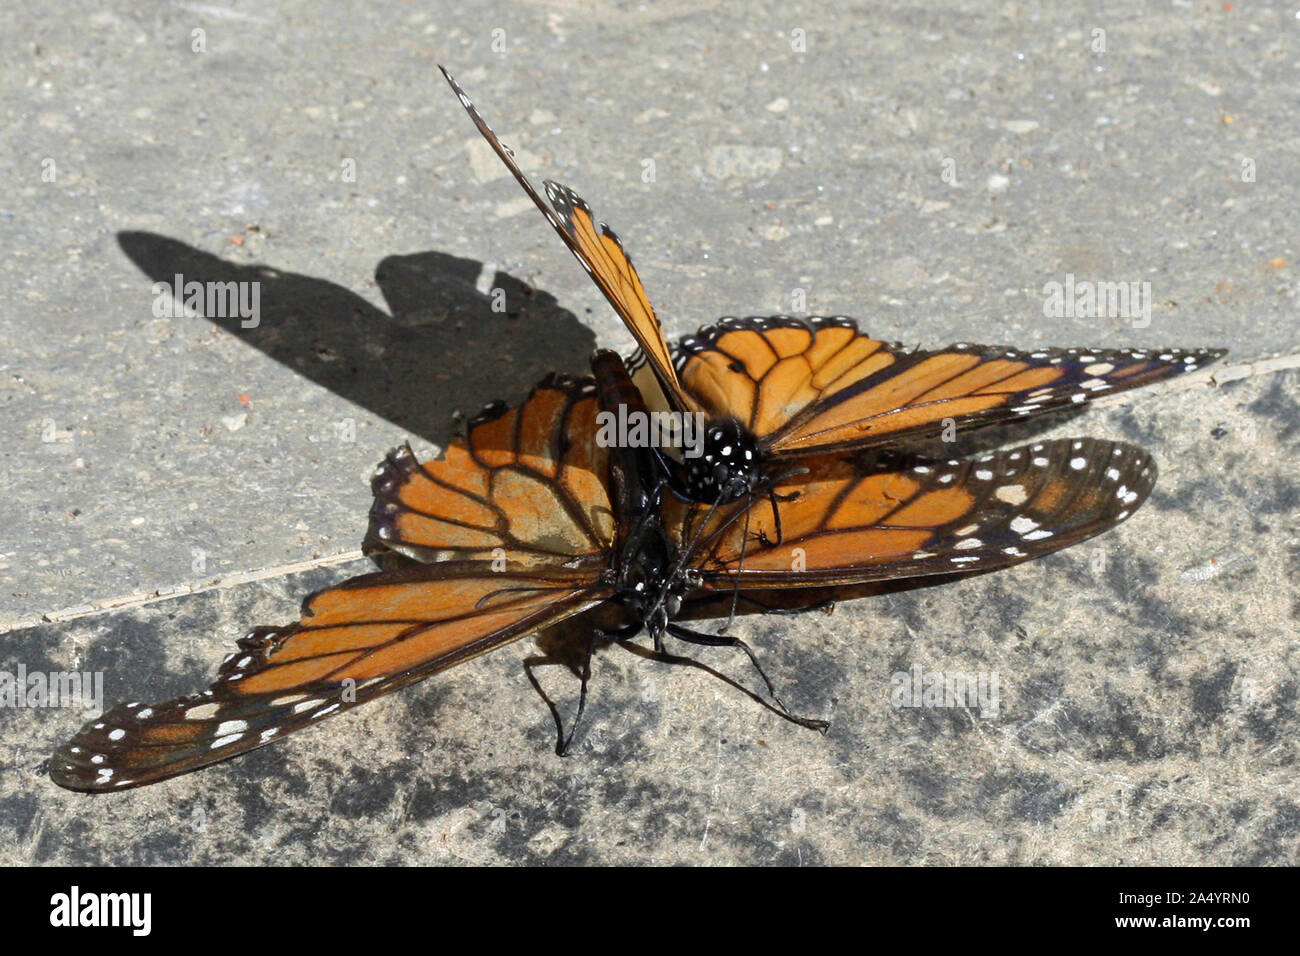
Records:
x=601, y=254
x=811, y=386
x=356, y=641
x=526, y=485
x=851, y=522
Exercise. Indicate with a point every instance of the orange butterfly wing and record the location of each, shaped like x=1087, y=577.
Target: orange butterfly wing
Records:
x=528, y=480
x=364, y=638
x=528, y=484
x=601, y=254
x=851, y=522
x=812, y=386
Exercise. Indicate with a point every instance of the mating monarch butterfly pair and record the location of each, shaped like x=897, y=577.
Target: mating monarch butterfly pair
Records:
x=790, y=491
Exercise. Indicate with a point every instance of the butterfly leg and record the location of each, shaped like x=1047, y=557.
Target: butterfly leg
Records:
x=562, y=740
x=670, y=477
x=774, y=498
x=664, y=657
x=718, y=640
x=584, y=678
x=776, y=518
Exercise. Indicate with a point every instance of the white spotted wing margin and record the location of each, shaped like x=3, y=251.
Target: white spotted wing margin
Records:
x=859, y=523
x=817, y=385
x=356, y=641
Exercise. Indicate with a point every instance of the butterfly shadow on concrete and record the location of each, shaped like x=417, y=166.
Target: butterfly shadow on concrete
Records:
x=443, y=347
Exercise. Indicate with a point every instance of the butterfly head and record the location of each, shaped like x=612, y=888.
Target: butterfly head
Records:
x=730, y=464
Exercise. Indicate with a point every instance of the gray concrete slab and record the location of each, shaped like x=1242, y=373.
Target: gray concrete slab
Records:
x=1149, y=704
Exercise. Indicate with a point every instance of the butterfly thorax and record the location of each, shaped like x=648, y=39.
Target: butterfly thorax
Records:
x=729, y=466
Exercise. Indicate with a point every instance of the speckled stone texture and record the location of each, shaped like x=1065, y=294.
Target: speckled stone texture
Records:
x=925, y=169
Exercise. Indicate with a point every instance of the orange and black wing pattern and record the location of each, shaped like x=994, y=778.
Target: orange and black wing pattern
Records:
x=527, y=485
x=601, y=254
x=507, y=535
x=356, y=641
x=851, y=521
x=818, y=385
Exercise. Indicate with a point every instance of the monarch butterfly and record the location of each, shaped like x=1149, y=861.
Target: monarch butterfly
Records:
x=583, y=525
x=779, y=388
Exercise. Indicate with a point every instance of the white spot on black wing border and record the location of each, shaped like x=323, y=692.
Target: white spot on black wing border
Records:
x=114, y=752
x=1055, y=504
x=1080, y=380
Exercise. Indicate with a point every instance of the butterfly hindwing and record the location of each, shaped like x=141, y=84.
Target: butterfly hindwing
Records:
x=526, y=485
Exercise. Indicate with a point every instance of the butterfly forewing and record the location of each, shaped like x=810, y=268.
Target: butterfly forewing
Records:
x=847, y=521
x=356, y=641
x=811, y=386
x=601, y=254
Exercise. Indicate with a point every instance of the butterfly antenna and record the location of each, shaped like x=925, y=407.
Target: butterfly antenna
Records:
x=685, y=555
x=770, y=492
x=695, y=543
x=768, y=485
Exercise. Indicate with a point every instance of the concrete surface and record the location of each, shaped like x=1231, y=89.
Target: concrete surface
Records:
x=1148, y=679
